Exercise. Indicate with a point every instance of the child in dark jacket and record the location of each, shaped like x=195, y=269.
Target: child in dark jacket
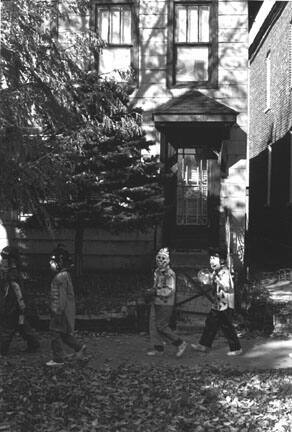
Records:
x=13, y=306
x=62, y=304
x=220, y=315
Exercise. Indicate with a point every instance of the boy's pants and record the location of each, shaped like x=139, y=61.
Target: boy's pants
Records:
x=223, y=320
x=10, y=326
x=58, y=338
x=159, y=326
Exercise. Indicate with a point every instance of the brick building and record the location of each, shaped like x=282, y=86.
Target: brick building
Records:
x=270, y=142
x=190, y=60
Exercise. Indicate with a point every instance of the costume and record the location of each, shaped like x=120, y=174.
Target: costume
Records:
x=62, y=305
x=164, y=287
x=13, y=307
x=220, y=315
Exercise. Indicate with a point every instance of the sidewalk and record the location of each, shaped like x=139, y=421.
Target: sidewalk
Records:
x=116, y=349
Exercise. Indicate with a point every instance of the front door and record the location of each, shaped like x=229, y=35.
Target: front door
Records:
x=195, y=197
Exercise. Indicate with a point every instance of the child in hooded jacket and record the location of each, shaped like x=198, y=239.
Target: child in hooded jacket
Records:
x=13, y=307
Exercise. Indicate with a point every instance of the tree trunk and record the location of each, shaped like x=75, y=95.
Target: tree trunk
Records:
x=79, y=236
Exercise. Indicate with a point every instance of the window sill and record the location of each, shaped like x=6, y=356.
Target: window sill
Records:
x=194, y=85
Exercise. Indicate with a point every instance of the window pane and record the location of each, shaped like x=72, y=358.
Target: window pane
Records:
x=115, y=58
x=193, y=25
x=192, y=64
x=204, y=24
x=126, y=27
x=115, y=26
x=103, y=23
x=181, y=24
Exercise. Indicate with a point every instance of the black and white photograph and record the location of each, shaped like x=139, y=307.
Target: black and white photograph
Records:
x=145, y=216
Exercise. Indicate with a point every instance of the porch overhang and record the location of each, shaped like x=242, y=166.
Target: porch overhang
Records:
x=193, y=109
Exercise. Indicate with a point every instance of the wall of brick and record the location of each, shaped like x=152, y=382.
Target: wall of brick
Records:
x=271, y=125
x=270, y=230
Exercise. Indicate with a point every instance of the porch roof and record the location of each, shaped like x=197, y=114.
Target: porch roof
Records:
x=194, y=107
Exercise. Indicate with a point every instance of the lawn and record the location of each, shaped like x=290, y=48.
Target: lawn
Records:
x=142, y=398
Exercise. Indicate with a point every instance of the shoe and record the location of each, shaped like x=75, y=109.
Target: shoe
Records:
x=235, y=353
x=181, y=349
x=81, y=352
x=154, y=353
x=54, y=363
x=199, y=347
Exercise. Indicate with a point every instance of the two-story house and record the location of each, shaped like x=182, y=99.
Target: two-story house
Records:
x=190, y=60
x=270, y=140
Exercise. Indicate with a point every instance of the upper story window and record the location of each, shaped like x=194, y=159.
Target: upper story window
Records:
x=116, y=25
x=268, y=81
x=193, y=55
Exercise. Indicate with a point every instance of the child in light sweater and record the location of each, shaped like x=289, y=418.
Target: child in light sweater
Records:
x=164, y=288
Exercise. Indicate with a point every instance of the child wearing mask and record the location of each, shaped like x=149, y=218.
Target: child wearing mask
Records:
x=162, y=306
x=62, y=304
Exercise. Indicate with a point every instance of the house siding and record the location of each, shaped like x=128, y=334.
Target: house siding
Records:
x=152, y=92
x=270, y=229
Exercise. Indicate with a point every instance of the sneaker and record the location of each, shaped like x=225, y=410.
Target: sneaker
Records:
x=199, y=347
x=235, y=353
x=154, y=353
x=81, y=352
x=54, y=363
x=181, y=349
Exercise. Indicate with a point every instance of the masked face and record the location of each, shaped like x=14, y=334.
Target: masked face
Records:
x=214, y=262
x=162, y=261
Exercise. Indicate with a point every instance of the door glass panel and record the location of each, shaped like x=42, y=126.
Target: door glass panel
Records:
x=192, y=188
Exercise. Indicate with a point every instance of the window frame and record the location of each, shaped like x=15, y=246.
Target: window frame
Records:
x=213, y=43
x=268, y=81
x=134, y=31
x=269, y=175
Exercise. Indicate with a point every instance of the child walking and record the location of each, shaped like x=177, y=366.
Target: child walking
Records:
x=13, y=308
x=62, y=304
x=164, y=288
x=220, y=315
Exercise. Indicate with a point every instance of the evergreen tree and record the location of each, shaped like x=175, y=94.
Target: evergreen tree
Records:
x=84, y=166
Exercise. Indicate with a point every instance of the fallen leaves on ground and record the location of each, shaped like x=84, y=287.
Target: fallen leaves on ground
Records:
x=146, y=398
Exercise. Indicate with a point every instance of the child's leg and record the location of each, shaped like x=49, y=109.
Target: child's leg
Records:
x=57, y=347
x=8, y=330
x=229, y=330
x=163, y=315
x=155, y=339
x=71, y=341
x=6, y=338
x=210, y=329
x=29, y=336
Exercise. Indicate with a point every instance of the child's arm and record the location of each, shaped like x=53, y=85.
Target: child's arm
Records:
x=17, y=290
x=62, y=284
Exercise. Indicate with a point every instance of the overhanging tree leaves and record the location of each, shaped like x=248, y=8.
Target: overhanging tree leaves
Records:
x=86, y=159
